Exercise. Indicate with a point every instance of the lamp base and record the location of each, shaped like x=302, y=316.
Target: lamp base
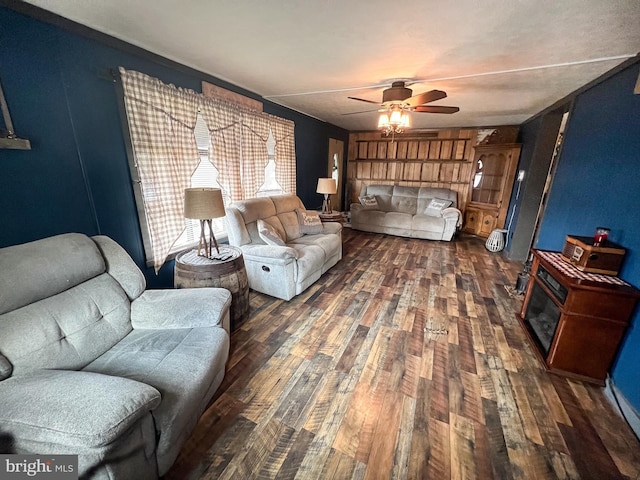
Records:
x=205, y=248
x=326, y=205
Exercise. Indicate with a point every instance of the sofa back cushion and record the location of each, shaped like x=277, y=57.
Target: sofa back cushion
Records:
x=36, y=270
x=413, y=200
x=405, y=199
x=60, y=308
x=279, y=211
x=426, y=194
x=383, y=194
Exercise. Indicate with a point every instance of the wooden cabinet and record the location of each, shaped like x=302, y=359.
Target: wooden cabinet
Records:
x=575, y=320
x=494, y=168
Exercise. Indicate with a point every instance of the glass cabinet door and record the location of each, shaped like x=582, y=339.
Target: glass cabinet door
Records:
x=490, y=169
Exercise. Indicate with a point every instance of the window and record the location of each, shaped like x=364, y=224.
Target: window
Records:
x=205, y=175
x=270, y=185
x=181, y=139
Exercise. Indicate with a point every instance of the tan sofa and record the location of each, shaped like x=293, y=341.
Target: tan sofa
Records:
x=282, y=271
x=406, y=212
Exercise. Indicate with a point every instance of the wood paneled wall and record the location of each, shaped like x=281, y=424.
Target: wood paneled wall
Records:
x=439, y=158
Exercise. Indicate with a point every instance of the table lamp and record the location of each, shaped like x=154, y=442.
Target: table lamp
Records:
x=326, y=186
x=204, y=204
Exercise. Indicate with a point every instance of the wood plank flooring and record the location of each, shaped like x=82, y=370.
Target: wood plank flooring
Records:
x=404, y=361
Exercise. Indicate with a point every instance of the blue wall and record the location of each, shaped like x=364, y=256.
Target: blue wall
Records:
x=76, y=176
x=597, y=183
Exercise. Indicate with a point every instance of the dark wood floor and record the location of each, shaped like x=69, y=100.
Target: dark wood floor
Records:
x=404, y=361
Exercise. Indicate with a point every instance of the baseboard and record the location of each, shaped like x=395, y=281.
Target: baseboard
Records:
x=622, y=406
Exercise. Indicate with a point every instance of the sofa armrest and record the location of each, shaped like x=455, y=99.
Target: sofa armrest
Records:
x=267, y=253
x=453, y=213
x=356, y=206
x=331, y=227
x=182, y=308
x=77, y=409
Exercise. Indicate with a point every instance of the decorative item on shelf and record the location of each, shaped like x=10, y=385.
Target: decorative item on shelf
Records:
x=602, y=233
x=204, y=204
x=326, y=186
x=583, y=253
x=495, y=242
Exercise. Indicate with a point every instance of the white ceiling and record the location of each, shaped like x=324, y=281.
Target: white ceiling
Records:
x=500, y=61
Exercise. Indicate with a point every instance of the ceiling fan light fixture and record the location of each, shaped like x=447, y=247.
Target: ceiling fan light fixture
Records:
x=394, y=120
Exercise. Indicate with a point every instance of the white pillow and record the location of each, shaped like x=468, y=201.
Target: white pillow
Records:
x=268, y=234
x=435, y=207
x=369, y=202
x=309, y=221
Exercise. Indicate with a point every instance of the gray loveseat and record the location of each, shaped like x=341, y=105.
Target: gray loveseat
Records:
x=406, y=212
x=93, y=364
x=282, y=271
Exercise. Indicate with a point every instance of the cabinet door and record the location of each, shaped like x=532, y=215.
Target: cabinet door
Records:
x=489, y=177
x=487, y=223
x=471, y=220
x=492, y=182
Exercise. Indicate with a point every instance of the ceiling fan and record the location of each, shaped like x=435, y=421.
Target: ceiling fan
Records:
x=398, y=95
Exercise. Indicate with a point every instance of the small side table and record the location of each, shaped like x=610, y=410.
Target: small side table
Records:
x=332, y=217
x=192, y=270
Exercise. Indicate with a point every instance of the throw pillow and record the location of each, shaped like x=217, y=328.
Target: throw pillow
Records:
x=268, y=234
x=309, y=221
x=435, y=207
x=369, y=202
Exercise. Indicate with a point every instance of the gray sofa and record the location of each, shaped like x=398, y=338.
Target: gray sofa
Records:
x=93, y=364
x=282, y=271
x=408, y=212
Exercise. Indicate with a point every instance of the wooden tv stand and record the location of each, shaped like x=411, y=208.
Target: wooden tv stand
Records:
x=575, y=320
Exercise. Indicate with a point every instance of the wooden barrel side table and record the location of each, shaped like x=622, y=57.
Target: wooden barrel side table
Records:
x=230, y=273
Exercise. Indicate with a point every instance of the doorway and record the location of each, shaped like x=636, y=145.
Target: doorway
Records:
x=334, y=170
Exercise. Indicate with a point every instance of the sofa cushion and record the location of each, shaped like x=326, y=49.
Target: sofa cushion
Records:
x=435, y=207
x=309, y=221
x=255, y=208
x=269, y=234
x=398, y=220
x=182, y=364
x=29, y=272
x=428, y=223
x=121, y=266
x=426, y=194
x=72, y=408
x=310, y=259
x=289, y=221
x=286, y=203
x=383, y=193
x=67, y=330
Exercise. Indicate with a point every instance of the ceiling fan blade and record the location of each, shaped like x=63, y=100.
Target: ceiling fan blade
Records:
x=435, y=109
x=355, y=113
x=426, y=97
x=363, y=100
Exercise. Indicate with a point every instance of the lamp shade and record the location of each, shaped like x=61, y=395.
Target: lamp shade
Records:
x=203, y=203
x=327, y=186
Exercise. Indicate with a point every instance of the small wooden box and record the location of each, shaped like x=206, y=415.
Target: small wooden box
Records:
x=587, y=257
